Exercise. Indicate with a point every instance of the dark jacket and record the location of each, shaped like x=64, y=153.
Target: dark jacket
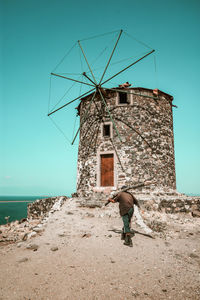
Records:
x=126, y=201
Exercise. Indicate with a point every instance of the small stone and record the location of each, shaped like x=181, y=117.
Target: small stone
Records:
x=61, y=234
x=24, y=259
x=89, y=215
x=135, y=294
x=87, y=235
x=33, y=247
x=167, y=244
x=22, y=220
x=24, y=238
x=38, y=229
x=164, y=290
x=196, y=214
x=69, y=213
x=31, y=234
x=55, y=248
x=193, y=255
x=112, y=261
x=39, y=226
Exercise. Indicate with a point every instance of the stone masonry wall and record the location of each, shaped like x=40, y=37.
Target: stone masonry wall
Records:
x=41, y=207
x=147, y=148
x=164, y=201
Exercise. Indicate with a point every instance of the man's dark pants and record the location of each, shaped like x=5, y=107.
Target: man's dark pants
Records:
x=126, y=220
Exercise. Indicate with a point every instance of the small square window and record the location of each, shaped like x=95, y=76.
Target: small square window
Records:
x=106, y=130
x=123, y=98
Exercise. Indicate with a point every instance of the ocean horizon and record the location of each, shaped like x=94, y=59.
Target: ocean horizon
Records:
x=18, y=210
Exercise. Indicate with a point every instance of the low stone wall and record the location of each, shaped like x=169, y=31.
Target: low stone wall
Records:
x=41, y=207
x=94, y=200
x=180, y=205
x=159, y=200
x=169, y=202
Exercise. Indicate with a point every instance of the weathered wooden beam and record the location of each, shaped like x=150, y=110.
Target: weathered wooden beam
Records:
x=145, y=183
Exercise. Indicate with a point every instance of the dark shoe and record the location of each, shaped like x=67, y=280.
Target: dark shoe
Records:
x=128, y=240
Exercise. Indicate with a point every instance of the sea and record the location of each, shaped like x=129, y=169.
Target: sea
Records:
x=15, y=210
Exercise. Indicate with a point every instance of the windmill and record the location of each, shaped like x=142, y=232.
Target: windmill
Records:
x=99, y=117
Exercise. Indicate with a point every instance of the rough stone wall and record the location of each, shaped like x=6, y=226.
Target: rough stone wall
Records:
x=147, y=148
x=41, y=207
x=189, y=204
x=163, y=201
x=168, y=201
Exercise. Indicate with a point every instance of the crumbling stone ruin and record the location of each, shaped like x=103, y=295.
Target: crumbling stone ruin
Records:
x=37, y=215
x=41, y=207
x=144, y=120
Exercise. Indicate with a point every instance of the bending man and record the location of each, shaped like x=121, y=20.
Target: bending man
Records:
x=126, y=208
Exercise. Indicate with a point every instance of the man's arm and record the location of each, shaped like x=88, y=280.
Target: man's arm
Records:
x=109, y=200
x=113, y=200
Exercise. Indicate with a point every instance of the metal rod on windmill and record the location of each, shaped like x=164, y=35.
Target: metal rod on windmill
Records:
x=84, y=117
x=110, y=56
x=87, y=61
x=79, y=97
x=129, y=66
x=54, y=74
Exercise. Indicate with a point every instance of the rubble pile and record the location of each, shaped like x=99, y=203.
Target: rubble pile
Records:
x=157, y=226
x=19, y=231
x=38, y=213
x=169, y=225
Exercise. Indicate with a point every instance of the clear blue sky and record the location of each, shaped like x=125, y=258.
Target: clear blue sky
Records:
x=34, y=35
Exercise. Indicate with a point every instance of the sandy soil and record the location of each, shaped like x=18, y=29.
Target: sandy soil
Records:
x=78, y=256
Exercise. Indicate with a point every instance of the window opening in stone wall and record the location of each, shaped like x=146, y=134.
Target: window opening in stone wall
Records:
x=123, y=98
x=106, y=130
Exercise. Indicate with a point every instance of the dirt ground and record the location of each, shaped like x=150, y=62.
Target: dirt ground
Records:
x=80, y=255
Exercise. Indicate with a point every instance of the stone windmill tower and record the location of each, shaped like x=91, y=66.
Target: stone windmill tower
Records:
x=126, y=133
x=136, y=144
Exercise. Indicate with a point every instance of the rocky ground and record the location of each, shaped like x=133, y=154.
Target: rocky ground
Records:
x=76, y=253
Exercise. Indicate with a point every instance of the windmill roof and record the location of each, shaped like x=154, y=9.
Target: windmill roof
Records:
x=132, y=88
